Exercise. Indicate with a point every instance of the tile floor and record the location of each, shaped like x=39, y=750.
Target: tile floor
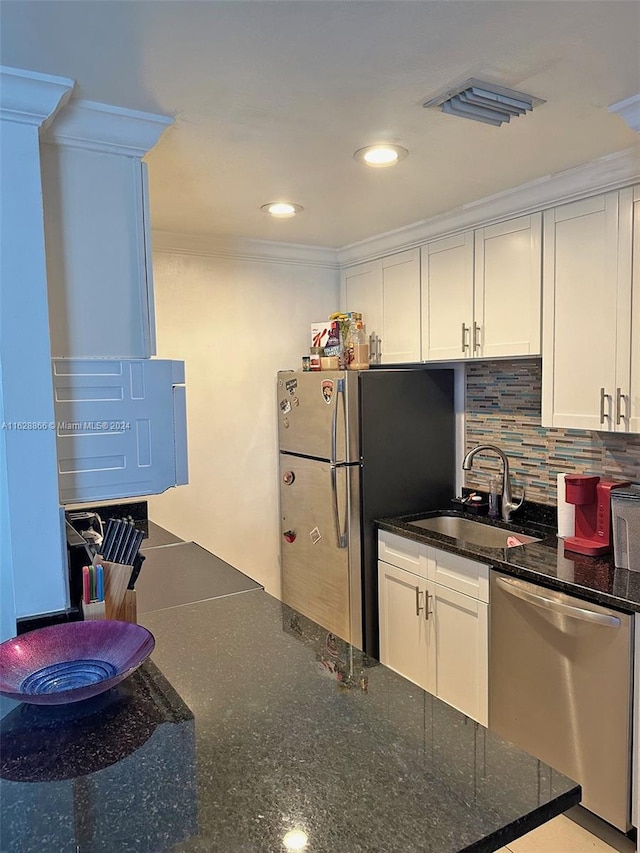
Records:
x=576, y=832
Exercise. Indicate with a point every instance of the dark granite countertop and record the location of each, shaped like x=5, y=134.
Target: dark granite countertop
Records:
x=180, y=573
x=294, y=731
x=593, y=579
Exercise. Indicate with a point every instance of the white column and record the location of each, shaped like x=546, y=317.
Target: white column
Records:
x=33, y=570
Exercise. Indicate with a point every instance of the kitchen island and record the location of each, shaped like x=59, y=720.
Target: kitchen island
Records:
x=295, y=735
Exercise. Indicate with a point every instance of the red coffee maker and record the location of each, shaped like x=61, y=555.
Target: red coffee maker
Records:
x=592, y=499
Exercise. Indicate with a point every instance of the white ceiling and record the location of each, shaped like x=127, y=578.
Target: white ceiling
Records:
x=272, y=97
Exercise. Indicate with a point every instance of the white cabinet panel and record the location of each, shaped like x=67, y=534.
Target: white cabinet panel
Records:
x=587, y=308
x=460, y=573
x=631, y=405
x=403, y=552
x=387, y=294
x=98, y=254
x=400, y=342
x=362, y=292
x=432, y=632
x=460, y=665
x=120, y=427
x=447, y=297
x=403, y=628
x=507, y=305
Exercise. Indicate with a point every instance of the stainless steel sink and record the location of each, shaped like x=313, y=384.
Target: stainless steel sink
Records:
x=472, y=532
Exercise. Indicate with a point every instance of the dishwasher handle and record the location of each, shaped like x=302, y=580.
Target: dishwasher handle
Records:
x=514, y=588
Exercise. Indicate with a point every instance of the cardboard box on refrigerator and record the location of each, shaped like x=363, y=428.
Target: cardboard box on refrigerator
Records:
x=326, y=334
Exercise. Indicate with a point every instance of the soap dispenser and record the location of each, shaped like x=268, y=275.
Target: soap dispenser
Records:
x=494, y=486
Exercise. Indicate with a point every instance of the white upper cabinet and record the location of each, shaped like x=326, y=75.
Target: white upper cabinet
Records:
x=401, y=308
x=508, y=288
x=121, y=427
x=447, y=297
x=387, y=293
x=633, y=399
x=97, y=231
x=481, y=292
x=587, y=359
x=362, y=292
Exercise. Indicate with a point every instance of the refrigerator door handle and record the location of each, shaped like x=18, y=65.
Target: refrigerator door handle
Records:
x=341, y=535
x=340, y=400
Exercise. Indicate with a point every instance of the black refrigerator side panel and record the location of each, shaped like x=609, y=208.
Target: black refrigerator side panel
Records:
x=407, y=443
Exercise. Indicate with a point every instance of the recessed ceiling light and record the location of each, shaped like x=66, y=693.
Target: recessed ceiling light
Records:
x=295, y=839
x=380, y=155
x=281, y=209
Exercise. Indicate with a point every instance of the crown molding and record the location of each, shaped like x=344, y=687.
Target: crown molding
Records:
x=629, y=110
x=606, y=173
x=105, y=128
x=245, y=249
x=27, y=97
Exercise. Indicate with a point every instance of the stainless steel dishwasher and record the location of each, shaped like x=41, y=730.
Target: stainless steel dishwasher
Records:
x=560, y=687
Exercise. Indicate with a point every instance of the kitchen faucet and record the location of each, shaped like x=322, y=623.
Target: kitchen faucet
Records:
x=508, y=506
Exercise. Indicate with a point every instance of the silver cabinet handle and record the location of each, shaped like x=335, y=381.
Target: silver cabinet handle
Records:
x=518, y=590
x=375, y=349
x=619, y=398
x=476, y=336
x=341, y=535
x=427, y=610
x=465, y=329
x=603, y=397
x=419, y=607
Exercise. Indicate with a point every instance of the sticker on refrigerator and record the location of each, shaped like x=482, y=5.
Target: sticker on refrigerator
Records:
x=291, y=385
x=285, y=407
x=327, y=390
x=315, y=536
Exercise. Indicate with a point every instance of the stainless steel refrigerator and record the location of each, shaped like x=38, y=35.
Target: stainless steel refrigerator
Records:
x=356, y=446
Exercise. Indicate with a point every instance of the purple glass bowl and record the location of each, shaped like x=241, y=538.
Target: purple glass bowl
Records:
x=73, y=661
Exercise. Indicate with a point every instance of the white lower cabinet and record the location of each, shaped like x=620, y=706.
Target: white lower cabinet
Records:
x=430, y=631
x=460, y=643
x=404, y=630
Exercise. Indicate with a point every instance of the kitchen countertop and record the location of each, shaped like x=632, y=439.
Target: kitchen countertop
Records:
x=157, y=537
x=294, y=730
x=183, y=572
x=593, y=579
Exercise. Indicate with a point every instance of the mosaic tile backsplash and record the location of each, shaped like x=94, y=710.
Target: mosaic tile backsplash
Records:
x=503, y=406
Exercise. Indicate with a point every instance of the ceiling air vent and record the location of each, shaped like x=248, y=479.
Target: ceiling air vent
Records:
x=484, y=102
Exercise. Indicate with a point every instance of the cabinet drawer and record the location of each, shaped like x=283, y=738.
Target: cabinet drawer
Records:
x=402, y=552
x=459, y=573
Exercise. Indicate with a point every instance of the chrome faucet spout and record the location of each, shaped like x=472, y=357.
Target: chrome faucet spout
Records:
x=508, y=506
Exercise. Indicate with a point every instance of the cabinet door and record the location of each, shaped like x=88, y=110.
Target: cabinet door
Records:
x=98, y=261
x=579, y=315
x=401, y=308
x=121, y=427
x=508, y=288
x=362, y=292
x=459, y=651
x=403, y=626
x=629, y=405
x=447, y=297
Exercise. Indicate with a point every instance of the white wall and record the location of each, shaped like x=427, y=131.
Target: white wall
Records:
x=234, y=323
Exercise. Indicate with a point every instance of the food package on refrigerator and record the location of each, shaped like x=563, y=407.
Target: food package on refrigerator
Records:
x=326, y=334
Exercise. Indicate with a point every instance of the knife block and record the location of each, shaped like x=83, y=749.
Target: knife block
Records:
x=120, y=602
